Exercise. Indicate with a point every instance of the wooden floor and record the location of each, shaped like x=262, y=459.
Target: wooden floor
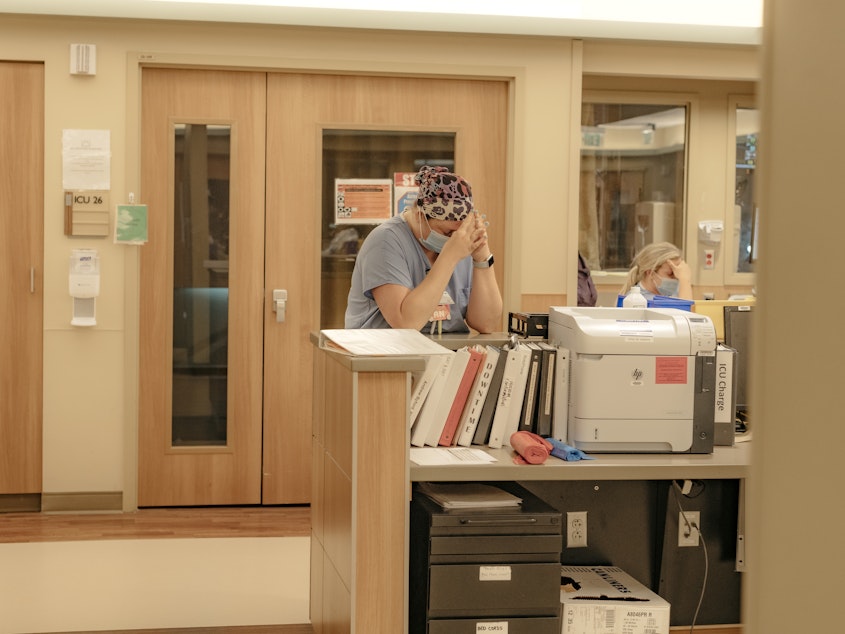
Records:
x=261, y=521
x=248, y=629
x=171, y=523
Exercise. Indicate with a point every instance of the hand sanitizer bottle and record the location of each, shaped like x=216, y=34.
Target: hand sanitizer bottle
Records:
x=635, y=299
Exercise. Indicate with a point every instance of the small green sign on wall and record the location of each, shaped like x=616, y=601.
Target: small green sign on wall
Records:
x=130, y=226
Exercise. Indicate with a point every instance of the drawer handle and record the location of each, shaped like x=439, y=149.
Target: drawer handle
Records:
x=518, y=521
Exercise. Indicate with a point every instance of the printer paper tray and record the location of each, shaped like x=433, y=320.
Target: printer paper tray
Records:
x=631, y=435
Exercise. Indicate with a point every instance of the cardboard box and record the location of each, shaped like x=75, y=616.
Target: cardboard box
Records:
x=606, y=600
x=715, y=310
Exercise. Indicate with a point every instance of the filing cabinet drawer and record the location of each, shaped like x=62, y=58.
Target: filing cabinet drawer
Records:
x=503, y=589
x=539, y=625
x=547, y=545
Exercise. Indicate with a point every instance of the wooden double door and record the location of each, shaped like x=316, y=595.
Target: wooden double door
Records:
x=201, y=273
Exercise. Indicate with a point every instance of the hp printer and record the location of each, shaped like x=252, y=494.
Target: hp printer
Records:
x=638, y=379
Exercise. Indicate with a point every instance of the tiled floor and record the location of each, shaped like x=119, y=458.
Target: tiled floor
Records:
x=146, y=583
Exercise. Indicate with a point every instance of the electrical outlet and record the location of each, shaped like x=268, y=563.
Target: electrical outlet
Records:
x=576, y=529
x=688, y=535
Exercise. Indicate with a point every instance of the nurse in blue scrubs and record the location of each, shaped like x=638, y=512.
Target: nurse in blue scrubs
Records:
x=429, y=268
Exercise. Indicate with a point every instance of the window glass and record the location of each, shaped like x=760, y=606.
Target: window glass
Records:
x=201, y=285
x=746, y=212
x=357, y=166
x=633, y=159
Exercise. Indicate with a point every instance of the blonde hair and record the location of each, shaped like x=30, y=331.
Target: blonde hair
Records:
x=650, y=258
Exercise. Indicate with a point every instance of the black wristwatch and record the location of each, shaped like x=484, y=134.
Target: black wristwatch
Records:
x=484, y=264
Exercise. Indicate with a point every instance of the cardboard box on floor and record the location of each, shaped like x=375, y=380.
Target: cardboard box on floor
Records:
x=607, y=600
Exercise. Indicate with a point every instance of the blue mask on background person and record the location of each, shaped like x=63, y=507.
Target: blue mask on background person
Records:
x=668, y=287
x=433, y=241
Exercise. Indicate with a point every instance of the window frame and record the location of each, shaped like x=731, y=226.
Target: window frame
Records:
x=732, y=277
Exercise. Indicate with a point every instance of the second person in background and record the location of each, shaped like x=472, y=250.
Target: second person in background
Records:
x=659, y=269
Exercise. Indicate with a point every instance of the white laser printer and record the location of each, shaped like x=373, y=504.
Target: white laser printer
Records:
x=638, y=380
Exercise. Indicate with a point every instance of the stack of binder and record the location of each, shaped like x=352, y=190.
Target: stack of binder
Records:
x=481, y=395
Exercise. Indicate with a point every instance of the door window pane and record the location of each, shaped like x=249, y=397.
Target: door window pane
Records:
x=200, y=285
x=746, y=213
x=367, y=154
x=632, y=180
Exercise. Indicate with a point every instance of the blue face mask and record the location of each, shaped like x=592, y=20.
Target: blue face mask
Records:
x=668, y=287
x=433, y=241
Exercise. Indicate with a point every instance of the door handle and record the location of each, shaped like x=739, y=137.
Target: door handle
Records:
x=280, y=300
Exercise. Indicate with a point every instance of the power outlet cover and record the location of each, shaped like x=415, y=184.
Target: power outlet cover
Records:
x=688, y=535
x=576, y=529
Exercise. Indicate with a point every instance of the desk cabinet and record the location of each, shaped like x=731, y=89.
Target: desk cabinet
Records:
x=478, y=566
x=359, y=504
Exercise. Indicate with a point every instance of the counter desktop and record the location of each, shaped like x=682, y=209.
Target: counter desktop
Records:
x=639, y=380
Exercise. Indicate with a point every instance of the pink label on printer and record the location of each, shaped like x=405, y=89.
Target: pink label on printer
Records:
x=670, y=370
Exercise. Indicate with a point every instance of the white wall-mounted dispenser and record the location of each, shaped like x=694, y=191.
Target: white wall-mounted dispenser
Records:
x=710, y=231
x=84, y=286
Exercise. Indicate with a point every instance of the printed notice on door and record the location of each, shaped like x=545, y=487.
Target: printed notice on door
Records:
x=362, y=200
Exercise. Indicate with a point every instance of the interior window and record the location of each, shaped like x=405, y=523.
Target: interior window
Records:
x=374, y=162
x=633, y=158
x=746, y=212
x=201, y=284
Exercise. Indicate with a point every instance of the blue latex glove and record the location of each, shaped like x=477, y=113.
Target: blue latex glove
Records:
x=567, y=452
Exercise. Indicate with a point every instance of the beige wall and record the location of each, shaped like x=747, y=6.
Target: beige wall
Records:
x=795, y=513
x=90, y=387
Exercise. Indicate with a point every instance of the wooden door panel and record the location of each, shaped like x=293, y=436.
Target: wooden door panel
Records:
x=230, y=474
x=21, y=257
x=299, y=108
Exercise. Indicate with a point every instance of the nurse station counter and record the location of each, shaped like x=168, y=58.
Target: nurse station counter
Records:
x=363, y=478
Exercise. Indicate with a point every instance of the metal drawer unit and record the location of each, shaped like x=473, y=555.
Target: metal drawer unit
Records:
x=473, y=570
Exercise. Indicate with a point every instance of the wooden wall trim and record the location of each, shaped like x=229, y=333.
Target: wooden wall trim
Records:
x=82, y=501
x=710, y=629
x=20, y=502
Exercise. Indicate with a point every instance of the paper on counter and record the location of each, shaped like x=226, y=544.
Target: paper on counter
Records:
x=468, y=495
x=434, y=456
x=380, y=342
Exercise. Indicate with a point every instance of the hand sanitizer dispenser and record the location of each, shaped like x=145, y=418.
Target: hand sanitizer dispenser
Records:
x=84, y=286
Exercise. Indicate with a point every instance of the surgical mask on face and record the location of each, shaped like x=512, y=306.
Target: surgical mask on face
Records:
x=668, y=286
x=433, y=241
